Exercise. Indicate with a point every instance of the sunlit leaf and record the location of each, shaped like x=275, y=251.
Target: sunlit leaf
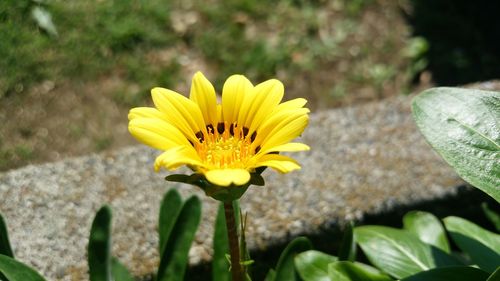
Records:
x=481, y=245
x=399, y=252
x=313, y=265
x=428, y=228
x=463, y=126
x=350, y=271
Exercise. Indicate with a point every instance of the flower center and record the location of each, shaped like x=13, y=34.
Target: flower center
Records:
x=227, y=146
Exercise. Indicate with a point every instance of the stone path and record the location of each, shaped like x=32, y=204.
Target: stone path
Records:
x=364, y=159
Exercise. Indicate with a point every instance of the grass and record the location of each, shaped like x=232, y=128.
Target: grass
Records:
x=104, y=55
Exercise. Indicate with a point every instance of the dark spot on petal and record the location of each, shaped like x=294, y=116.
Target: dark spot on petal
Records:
x=274, y=152
x=245, y=131
x=231, y=129
x=253, y=136
x=220, y=128
x=257, y=149
x=210, y=129
x=199, y=135
x=192, y=144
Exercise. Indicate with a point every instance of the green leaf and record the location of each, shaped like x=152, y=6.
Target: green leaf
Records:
x=271, y=275
x=13, y=270
x=44, y=20
x=99, y=248
x=481, y=245
x=399, y=252
x=220, y=265
x=349, y=271
x=313, y=265
x=347, y=250
x=495, y=276
x=285, y=270
x=5, y=248
x=492, y=216
x=463, y=126
x=119, y=271
x=174, y=258
x=170, y=208
x=455, y=273
x=428, y=228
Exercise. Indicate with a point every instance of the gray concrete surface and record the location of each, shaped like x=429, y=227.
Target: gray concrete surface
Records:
x=364, y=159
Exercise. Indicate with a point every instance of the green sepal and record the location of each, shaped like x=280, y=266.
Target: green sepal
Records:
x=220, y=193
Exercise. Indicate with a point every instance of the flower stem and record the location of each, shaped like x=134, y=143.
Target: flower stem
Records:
x=234, y=249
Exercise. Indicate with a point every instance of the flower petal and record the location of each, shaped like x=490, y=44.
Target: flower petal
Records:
x=179, y=111
x=285, y=131
x=203, y=94
x=287, y=147
x=268, y=95
x=176, y=157
x=226, y=177
x=278, y=162
x=156, y=133
x=234, y=91
x=145, y=112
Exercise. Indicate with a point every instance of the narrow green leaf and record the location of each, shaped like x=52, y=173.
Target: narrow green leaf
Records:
x=481, y=245
x=313, y=265
x=174, y=258
x=5, y=248
x=455, y=273
x=170, y=209
x=398, y=252
x=428, y=228
x=99, y=248
x=220, y=265
x=13, y=270
x=349, y=271
x=347, y=250
x=119, y=271
x=495, y=276
x=492, y=216
x=463, y=126
x=285, y=270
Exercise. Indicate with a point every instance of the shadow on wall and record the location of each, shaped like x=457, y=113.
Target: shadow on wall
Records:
x=463, y=37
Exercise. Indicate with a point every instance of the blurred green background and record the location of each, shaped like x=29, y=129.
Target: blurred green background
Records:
x=71, y=70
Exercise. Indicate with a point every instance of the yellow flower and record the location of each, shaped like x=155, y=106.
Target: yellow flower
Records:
x=224, y=142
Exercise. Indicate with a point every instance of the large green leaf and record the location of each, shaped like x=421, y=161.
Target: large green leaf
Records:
x=313, y=265
x=174, y=258
x=493, y=216
x=495, y=276
x=170, y=209
x=13, y=270
x=463, y=126
x=5, y=248
x=285, y=270
x=347, y=251
x=482, y=245
x=350, y=271
x=428, y=228
x=220, y=264
x=119, y=271
x=99, y=248
x=399, y=252
x=453, y=273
